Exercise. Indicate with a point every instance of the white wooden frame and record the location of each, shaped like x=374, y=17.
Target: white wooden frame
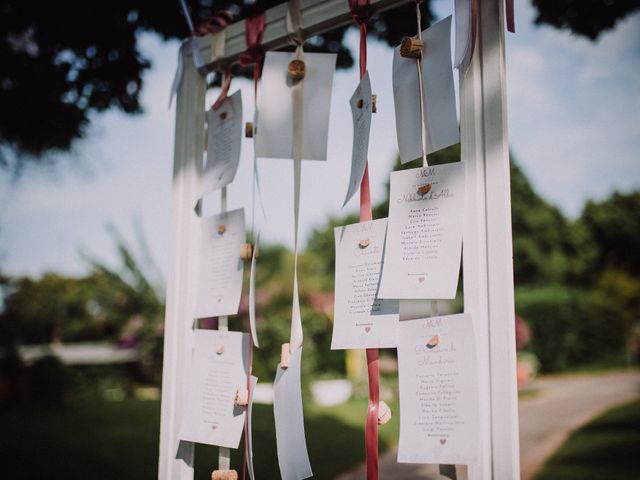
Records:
x=487, y=255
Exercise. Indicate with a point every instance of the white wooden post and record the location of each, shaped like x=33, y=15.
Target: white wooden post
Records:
x=487, y=259
x=189, y=146
x=487, y=250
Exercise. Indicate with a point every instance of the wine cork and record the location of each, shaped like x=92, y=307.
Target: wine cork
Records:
x=424, y=189
x=222, y=229
x=411, y=47
x=296, y=69
x=374, y=108
x=224, y=475
x=248, y=130
x=242, y=397
x=285, y=355
x=384, y=413
x=246, y=252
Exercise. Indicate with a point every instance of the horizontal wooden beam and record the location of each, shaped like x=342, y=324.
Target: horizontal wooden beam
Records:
x=318, y=16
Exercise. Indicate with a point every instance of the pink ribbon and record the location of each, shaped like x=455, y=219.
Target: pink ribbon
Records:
x=226, y=83
x=361, y=13
x=253, y=32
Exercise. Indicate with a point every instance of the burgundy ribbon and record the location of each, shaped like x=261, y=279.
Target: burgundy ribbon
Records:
x=215, y=23
x=226, y=83
x=253, y=31
x=510, y=14
x=361, y=13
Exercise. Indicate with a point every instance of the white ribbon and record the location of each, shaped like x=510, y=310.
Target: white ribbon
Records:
x=294, y=26
x=297, y=95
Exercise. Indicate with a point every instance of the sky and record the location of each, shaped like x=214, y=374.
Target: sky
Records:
x=574, y=126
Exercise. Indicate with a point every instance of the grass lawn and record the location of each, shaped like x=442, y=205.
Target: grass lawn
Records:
x=608, y=448
x=119, y=440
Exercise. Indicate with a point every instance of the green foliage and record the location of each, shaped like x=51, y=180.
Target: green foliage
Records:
x=614, y=226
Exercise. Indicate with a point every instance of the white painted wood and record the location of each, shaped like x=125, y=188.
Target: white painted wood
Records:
x=318, y=16
x=488, y=252
x=487, y=259
x=189, y=145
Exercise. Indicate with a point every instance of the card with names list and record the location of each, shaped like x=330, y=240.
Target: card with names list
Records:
x=219, y=368
x=360, y=319
x=424, y=236
x=438, y=384
x=219, y=264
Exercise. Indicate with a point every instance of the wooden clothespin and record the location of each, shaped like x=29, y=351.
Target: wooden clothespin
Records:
x=384, y=412
x=224, y=475
x=374, y=108
x=285, y=355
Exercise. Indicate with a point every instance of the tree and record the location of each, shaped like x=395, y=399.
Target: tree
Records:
x=614, y=226
x=63, y=62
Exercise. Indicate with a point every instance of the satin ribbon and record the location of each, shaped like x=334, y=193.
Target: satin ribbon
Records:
x=361, y=13
x=510, y=14
x=226, y=83
x=253, y=32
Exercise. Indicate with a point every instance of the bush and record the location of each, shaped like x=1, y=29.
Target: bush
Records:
x=577, y=328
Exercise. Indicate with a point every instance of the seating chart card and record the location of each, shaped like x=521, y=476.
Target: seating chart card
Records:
x=224, y=135
x=361, y=110
x=439, y=95
x=274, y=134
x=220, y=367
x=220, y=266
x=361, y=320
x=439, y=412
x=424, y=236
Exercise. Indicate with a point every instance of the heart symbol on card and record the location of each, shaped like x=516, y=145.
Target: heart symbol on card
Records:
x=367, y=329
x=421, y=279
x=443, y=441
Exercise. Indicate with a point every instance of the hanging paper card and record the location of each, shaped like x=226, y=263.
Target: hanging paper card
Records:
x=220, y=266
x=219, y=370
x=274, y=135
x=424, y=236
x=437, y=369
x=360, y=319
x=361, y=108
x=439, y=95
x=249, y=450
x=252, y=293
x=293, y=458
x=223, y=144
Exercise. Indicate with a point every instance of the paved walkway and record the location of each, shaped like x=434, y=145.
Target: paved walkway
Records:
x=563, y=403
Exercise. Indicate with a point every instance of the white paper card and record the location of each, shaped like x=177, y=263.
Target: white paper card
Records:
x=274, y=135
x=293, y=458
x=220, y=265
x=439, y=95
x=224, y=137
x=439, y=413
x=219, y=369
x=361, y=106
x=360, y=319
x=424, y=236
